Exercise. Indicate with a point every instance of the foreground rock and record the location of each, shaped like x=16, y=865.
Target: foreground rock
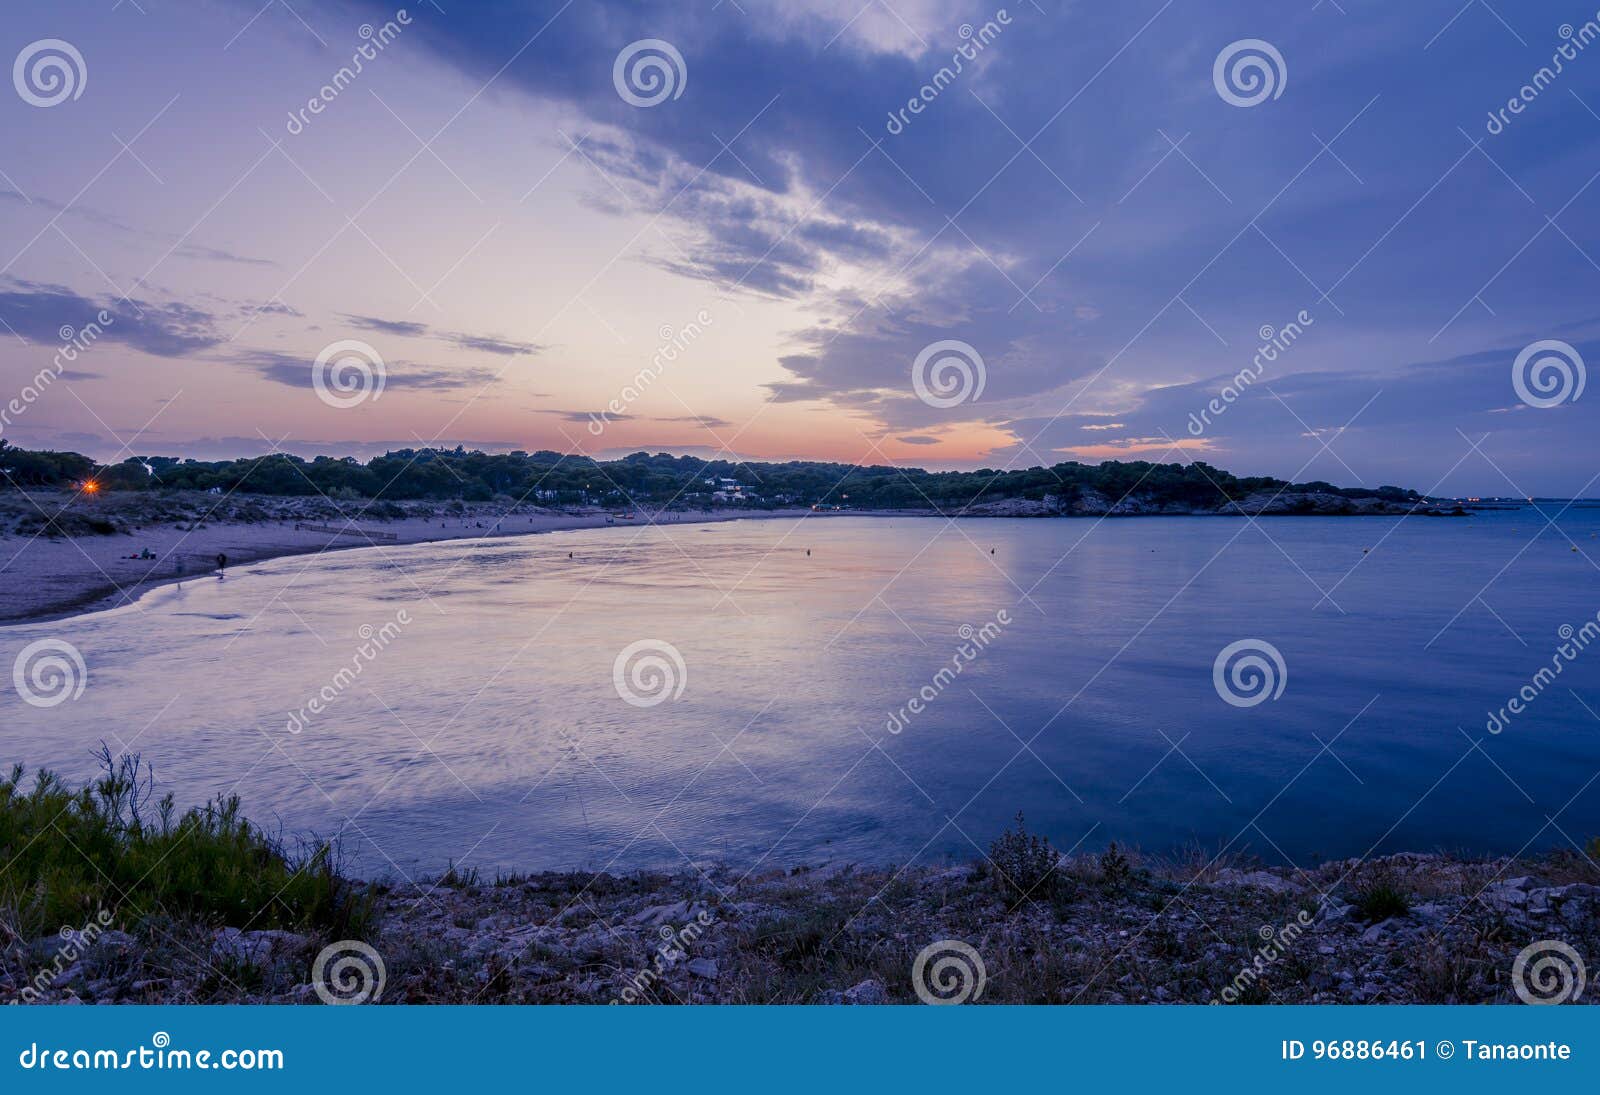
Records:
x=1404, y=929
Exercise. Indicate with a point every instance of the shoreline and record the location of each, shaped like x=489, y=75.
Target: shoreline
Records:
x=87, y=569
x=82, y=581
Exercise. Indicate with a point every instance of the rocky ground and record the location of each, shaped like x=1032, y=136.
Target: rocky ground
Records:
x=1403, y=929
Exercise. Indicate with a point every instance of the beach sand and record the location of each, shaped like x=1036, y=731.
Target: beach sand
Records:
x=43, y=578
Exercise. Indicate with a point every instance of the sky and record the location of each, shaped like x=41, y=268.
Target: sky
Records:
x=720, y=227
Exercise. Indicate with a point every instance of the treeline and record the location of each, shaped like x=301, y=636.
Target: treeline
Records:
x=557, y=478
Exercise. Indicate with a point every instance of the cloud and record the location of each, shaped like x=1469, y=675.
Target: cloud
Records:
x=918, y=439
x=295, y=371
x=491, y=345
x=401, y=327
x=584, y=417
x=41, y=313
x=106, y=220
x=272, y=308
x=710, y=422
x=405, y=328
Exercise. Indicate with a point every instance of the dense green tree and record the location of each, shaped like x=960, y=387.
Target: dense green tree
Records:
x=656, y=479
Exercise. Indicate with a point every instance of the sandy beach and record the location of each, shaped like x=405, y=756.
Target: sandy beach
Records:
x=44, y=578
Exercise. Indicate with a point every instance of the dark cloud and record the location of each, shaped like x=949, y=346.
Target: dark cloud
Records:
x=1037, y=209
x=42, y=313
x=295, y=371
x=918, y=439
x=405, y=328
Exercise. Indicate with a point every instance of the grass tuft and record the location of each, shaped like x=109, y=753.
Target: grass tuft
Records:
x=1380, y=898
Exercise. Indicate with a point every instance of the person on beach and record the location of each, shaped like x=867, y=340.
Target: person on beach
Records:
x=222, y=565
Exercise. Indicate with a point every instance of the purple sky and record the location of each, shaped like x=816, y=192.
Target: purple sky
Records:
x=753, y=255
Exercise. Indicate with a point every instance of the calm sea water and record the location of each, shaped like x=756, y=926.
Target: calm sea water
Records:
x=490, y=731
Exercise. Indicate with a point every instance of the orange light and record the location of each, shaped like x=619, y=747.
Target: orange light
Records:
x=90, y=487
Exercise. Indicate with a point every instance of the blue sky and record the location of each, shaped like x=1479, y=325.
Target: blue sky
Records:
x=1080, y=204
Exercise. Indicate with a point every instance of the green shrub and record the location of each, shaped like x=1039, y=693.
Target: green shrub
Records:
x=111, y=846
x=1023, y=863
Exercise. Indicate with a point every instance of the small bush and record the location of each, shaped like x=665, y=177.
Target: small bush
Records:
x=1023, y=863
x=1380, y=898
x=1115, y=867
x=111, y=846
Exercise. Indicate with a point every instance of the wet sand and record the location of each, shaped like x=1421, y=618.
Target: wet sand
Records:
x=45, y=579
